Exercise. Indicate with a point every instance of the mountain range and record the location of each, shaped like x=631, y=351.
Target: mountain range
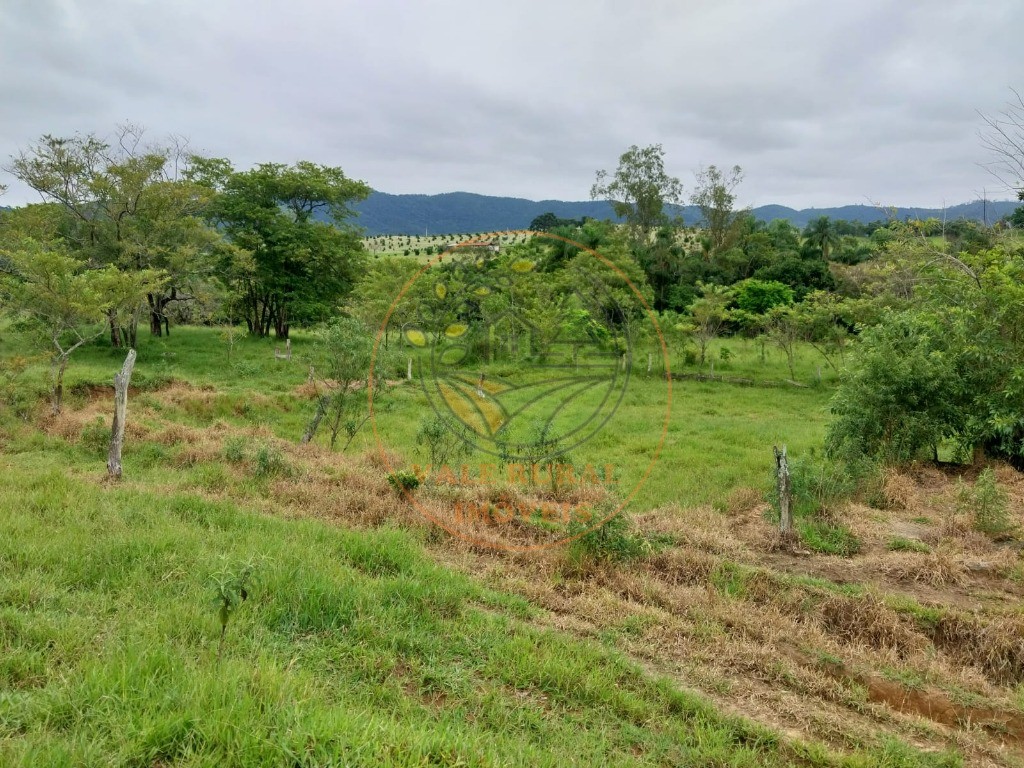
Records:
x=454, y=212
x=466, y=212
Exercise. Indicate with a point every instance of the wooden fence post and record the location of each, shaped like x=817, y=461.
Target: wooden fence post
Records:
x=121, y=382
x=785, y=492
x=408, y=370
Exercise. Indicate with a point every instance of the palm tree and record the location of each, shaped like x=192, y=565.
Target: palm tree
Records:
x=822, y=234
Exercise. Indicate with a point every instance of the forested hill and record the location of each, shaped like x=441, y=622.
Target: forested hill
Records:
x=453, y=212
x=384, y=214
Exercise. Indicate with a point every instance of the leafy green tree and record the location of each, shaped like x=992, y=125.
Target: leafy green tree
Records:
x=381, y=289
x=955, y=357
x=784, y=236
x=343, y=357
x=547, y=222
x=610, y=289
x=826, y=321
x=821, y=234
x=783, y=328
x=715, y=195
x=899, y=397
x=800, y=272
x=125, y=204
x=639, y=189
x=289, y=266
x=707, y=316
x=65, y=302
x=759, y=296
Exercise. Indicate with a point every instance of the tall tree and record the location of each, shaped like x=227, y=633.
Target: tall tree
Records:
x=639, y=189
x=715, y=195
x=821, y=233
x=288, y=265
x=127, y=204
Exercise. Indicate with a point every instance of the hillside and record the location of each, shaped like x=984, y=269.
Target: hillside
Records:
x=453, y=212
x=369, y=636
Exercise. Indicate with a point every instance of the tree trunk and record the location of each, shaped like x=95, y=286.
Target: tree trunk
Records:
x=121, y=382
x=156, y=308
x=57, y=368
x=321, y=410
x=978, y=459
x=116, y=341
x=785, y=492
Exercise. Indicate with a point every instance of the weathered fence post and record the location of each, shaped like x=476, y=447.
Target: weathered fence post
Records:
x=121, y=382
x=408, y=370
x=650, y=362
x=785, y=492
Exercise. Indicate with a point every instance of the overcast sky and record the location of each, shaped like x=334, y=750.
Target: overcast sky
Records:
x=821, y=103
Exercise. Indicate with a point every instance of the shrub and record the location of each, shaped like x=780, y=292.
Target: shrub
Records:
x=230, y=586
x=268, y=461
x=758, y=296
x=987, y=503
x=610, y=541
x=444, y=439
x=818, y=486
x=235, y=449
x=14, y=392
x=245, y=369
x=404, y=482
x=895, y=402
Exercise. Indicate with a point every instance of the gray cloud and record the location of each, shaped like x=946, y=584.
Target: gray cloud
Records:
x=821, y=104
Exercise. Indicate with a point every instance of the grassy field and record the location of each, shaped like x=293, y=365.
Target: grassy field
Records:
x=718, y=436
x=371, y=637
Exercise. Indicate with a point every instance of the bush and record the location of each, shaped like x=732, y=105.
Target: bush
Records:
x=987, y=503
x=444, y=439
x=610, y=541
x=235, y=449
x=268, y=461
x=818, y=486
x=897, y=400
x=758, y=296
x=403, y=482
x=14, y=391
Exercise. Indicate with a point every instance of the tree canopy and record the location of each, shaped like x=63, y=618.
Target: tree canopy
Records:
x=286, y=265
x=639, y=189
